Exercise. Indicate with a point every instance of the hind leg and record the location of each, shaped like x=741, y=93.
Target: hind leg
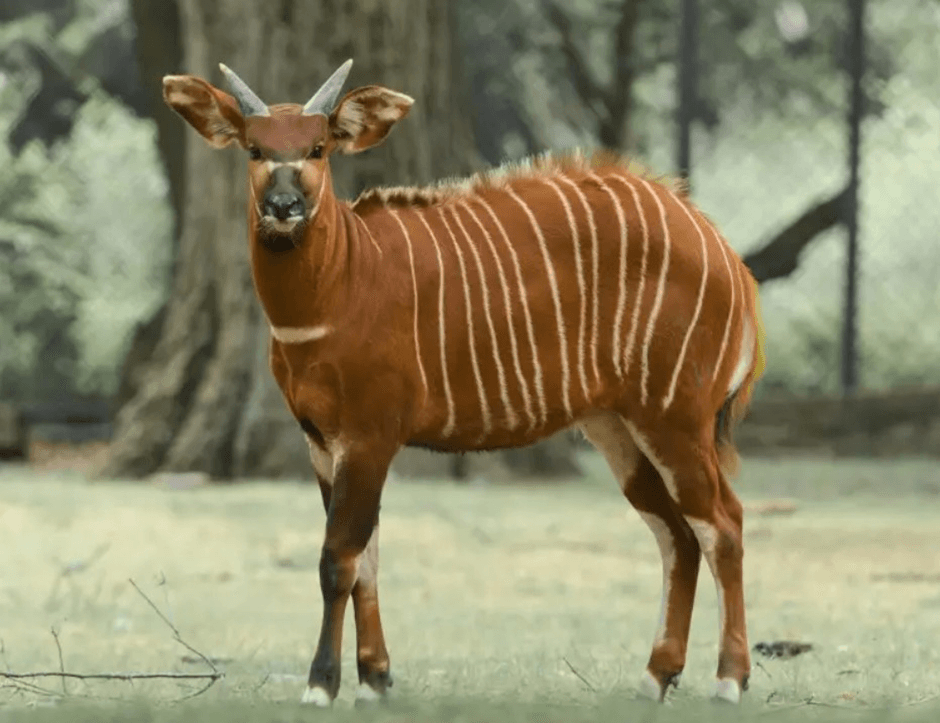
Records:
x=689, y=467
x=678, y=545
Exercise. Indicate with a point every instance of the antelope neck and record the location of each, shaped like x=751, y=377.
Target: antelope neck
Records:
x=297, y=287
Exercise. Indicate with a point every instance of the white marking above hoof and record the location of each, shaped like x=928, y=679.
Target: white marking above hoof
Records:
x=367, y=694
x=317, y=696
x=649, y=688
x=728, y=690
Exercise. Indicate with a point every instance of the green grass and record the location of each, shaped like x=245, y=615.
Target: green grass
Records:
x=490, y=596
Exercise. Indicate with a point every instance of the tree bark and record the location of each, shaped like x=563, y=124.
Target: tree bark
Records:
x=206, y=400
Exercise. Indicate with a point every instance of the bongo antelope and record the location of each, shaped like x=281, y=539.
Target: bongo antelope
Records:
x=489, y=313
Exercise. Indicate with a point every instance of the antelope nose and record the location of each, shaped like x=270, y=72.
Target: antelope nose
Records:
x=283, y=205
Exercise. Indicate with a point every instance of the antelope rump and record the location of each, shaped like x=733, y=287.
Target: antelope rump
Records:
x=490, y=313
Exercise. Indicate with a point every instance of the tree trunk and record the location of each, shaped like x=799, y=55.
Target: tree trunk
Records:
x=206, y=399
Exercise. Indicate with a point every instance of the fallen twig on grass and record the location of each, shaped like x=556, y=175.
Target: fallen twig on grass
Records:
x=58, y=646
x=579, y=676
x=111, y=676
x=21, y=682
x=176, y=633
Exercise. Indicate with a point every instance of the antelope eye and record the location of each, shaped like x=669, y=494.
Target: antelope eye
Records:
x=254, y=153
x=317, y=152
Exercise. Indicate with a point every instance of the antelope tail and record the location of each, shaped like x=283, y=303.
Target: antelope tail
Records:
x=736, y=404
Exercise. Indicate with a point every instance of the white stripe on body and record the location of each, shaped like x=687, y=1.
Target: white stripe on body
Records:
x=511, y=418
x=313, y=211
x=414, y=281
x=553, y=285
x=732, y=278
x=671, y=391
x=582, y=292
x=451, y=422
x=471, y=337
x=635, y=316
x=530, y=327
x=510, y=323
x=369, y=234
x=621, y=275
x=658, y=299
x=595, y=273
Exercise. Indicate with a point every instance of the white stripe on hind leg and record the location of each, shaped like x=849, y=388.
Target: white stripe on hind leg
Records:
x=726, y=689
x=707, y=536
x=667, y=550
x=669, y=479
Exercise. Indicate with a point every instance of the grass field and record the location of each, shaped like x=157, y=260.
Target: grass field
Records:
x=500, y=603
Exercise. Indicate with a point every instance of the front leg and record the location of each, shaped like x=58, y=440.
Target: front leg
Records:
x=352, y=519
x=371, y=654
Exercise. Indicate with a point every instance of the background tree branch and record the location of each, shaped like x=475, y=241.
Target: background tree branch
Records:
x=780, y=256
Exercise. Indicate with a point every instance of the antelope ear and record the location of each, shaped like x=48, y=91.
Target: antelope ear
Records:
x=365, y=116
x=212, y=112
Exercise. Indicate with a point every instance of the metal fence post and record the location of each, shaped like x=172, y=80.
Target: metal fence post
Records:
x=688, y=66
x=856, y=69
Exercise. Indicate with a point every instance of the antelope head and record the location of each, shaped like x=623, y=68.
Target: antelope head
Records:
x=288, y=145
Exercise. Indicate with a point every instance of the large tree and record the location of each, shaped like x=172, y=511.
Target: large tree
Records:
x=204, y=399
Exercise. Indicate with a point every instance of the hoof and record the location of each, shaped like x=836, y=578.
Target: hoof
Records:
x=367, y=696
x=727, y=690
x=650, y=689
x=317, y=697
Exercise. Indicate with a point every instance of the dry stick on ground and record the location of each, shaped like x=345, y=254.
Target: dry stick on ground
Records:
x=20, y=680
x=579, y=676
x=58, y=647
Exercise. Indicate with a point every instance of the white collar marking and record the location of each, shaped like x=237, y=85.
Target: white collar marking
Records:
x=299, y=334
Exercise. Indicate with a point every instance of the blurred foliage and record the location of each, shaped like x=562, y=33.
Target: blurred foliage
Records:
x=769, y=163
x=84, y=226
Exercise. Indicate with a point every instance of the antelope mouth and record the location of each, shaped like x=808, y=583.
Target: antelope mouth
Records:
x=277, y=234
x=285, y=225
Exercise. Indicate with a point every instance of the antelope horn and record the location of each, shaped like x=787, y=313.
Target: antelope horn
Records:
x=324, y=99
x=248, y=102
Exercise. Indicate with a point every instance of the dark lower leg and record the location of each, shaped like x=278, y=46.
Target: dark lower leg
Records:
x=667, y=658
x=371, y=654
x=721, y=544
x=337, y=574
x=352, y=503
x=681, y=556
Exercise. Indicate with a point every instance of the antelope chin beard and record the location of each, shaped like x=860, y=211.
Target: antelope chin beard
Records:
x=276, y=235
